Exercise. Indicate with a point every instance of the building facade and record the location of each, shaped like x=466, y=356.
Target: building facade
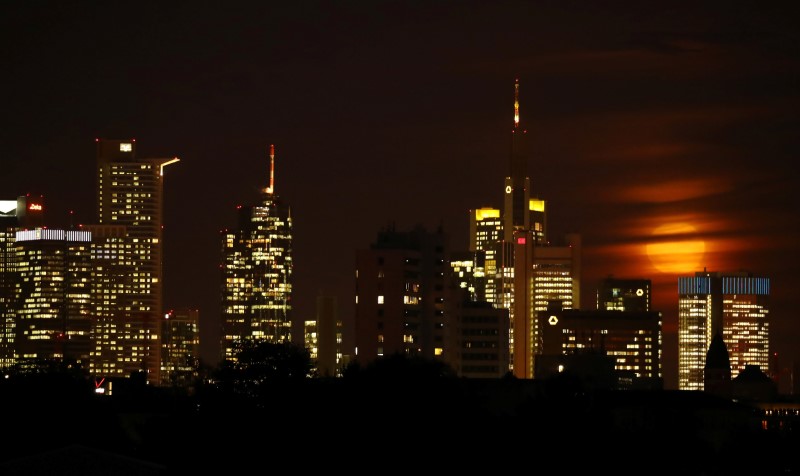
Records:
x=127, y=262
x=257, y=272
x=51, y=301
x=632, y=340
x=479, y=339
x=180, y=347
x=400, y=295
x=735, y=305
x=323, y=338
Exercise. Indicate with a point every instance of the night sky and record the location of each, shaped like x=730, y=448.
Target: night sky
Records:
x=647, y=123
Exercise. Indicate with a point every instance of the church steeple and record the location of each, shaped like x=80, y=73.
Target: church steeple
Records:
x=717, y=370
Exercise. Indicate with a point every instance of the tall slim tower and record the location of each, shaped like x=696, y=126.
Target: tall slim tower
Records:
x=127, y=257
x=517, y=185
x=733, y=305
x=257, y=272
x=530, y=271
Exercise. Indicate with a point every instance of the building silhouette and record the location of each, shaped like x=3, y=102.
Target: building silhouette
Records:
x=180, y=347
x=127, y=274
x=630, y=341
x=478, y=339
x=400, y=294
x=323, y=338
x=733, y=305
x=256, y=272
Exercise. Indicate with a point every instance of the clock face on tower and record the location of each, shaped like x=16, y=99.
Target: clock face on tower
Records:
x=508, y=188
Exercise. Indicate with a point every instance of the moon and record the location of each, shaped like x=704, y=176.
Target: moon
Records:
x=674, y=254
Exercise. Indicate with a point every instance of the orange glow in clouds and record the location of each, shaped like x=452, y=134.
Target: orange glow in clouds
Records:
x=674, y=253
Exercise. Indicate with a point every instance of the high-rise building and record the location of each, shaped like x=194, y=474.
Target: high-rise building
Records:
x=400, y=294
x=523, y=270
x=51, y=301
x=257, y=272
x=543, y=274
x=615, y=294
x=180, y=347
x=485, y=233
x=26, y=212
x=735, y=305
x=127, y=262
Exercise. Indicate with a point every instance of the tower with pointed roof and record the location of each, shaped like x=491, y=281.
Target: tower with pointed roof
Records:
x=522, y=271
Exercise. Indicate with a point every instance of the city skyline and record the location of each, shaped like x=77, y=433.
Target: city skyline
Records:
x=643, y=124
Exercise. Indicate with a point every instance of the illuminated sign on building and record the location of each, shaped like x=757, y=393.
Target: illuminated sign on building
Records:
x=125, y=147
x=35, y=206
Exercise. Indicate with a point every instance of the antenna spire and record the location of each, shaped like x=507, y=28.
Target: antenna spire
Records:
x=516, y=103
x=271, y=187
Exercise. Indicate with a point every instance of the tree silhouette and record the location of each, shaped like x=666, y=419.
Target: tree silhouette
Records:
x=260, y=364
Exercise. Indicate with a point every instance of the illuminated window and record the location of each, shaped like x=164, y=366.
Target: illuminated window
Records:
x=380, y=299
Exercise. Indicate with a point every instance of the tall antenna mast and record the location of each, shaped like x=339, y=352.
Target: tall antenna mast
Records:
x=516, y=103
x=271, y=187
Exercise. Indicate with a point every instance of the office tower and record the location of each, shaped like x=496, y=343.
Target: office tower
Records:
x=631, y=339
x=542, y=275
x=485, y=233
x=180, y=347
x=25, y=211
x=616, y=294
x=257, y=272
x=323, y=337
x=523, y=270
x=51, y=301
x=127, y=262
x=732, y=304
x=400, y=293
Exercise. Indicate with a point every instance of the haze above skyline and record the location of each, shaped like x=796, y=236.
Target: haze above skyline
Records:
x=647, y=125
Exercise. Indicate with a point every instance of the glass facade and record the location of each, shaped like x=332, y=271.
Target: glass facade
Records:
x=735, y=304
x=257, y=274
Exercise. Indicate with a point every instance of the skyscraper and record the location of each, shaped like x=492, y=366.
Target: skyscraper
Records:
x=51, y=302
x=734, y=305
x=257, y=272
x=127, y=262
x=15, y=215
x=524, y=271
